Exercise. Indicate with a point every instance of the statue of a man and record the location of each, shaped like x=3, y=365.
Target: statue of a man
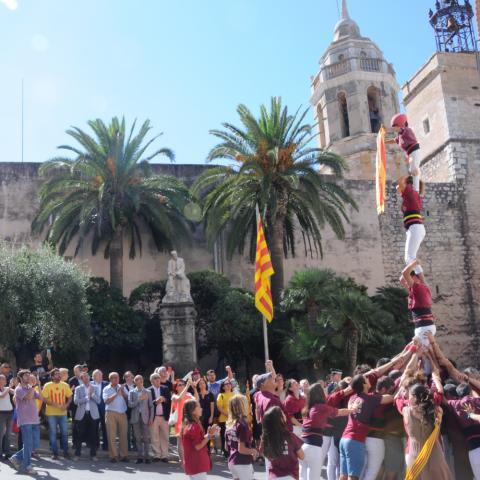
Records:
x=178, y=285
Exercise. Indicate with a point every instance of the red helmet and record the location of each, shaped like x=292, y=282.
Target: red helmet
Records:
x=399, y=120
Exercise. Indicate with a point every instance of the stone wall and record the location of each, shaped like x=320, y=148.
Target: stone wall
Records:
x=372, y=252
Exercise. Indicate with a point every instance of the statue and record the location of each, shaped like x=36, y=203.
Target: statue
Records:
x=178, y=285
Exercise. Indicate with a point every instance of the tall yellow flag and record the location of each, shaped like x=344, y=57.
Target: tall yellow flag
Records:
x=263, y=272
x=381, y=176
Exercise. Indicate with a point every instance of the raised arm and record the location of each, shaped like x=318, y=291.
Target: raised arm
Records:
x=408, y=270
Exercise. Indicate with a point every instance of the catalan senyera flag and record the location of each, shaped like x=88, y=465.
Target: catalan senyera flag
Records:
x=381, y=176
x=263, y=272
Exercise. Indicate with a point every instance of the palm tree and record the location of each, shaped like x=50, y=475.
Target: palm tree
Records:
x=276, y=168
x=351, y=316
x=108, y=191
x=307, y=292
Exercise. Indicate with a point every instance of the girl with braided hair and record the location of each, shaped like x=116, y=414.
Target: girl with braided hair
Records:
x=422, y=415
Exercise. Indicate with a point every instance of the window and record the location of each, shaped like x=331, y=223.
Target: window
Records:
x=426, y=126
x=344, y=121
x=374, y=109
x=363, y=54
x=341, y=57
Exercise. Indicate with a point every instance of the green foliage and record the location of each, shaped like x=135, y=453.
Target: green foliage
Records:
x=277, y=169
x=115, y=324
x=147, y=296
x=236, y=327
x=331, y=317
x=43, y=301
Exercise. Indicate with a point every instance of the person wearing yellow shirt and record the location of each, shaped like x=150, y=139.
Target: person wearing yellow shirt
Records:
x=223, y=401
x=57, y=396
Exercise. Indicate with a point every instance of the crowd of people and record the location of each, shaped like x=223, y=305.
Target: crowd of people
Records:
x=389, y=422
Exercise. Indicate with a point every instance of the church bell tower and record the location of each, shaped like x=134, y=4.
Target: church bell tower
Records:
x=353, y=94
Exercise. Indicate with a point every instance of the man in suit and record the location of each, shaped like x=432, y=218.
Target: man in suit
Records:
x=141, y=416
x=159, y=429
x=100, y=385
x=86, y=417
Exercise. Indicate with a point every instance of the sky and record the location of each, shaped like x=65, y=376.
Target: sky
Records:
x=183, y=64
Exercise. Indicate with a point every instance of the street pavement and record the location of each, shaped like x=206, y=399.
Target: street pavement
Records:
x=84, y=469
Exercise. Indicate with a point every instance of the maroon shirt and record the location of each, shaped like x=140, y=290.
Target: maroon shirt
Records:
x=411, y=199
x=358, y=424
x=233, y=436
x=195, y=461
x=419, y=296
x=406, y=139
x=317, y=419
x=286, y=464
x=293, y=407
x=470, y=428
x=264, y=401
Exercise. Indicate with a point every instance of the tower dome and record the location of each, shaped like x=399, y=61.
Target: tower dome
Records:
x=353, y=94
x=346, y=27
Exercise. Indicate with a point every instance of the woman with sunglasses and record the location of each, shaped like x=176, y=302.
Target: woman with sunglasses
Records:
x=180, y=396
x=223, y=400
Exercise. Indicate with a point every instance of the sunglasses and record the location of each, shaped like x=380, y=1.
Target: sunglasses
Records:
x=181, y=385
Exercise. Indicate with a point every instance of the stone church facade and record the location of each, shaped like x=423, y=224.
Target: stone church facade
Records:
x=354, y=92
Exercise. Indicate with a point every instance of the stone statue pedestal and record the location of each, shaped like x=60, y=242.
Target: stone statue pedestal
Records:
x=177, y=321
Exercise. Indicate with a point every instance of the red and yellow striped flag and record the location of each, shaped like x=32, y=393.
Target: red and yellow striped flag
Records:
x=263, y=272
x=381, y=176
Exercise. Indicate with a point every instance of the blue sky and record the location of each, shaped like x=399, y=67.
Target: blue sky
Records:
x=184, y=64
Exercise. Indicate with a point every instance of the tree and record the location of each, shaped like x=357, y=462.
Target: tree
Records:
x=276, y=168
x=107, y=192
x=331, y=317
x=43, y=303
x=116, y=327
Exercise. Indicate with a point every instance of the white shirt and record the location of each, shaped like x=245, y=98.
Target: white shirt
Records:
x=159, y=406
x=5, y=403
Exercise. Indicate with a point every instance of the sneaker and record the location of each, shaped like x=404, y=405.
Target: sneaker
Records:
x=36, y=456
x=76, y=458
x=94, y=459
x=55, y=457
x=14, y=462
x=30, y=471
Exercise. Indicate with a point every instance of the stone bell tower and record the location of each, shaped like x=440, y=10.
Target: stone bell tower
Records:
x=353, y=94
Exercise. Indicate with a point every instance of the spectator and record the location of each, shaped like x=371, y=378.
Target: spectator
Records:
x=6, y=415
x=159, y=429
x=142, y=415
x=280, y=387
x=64, y=375
x=100, y=385
x=42, y=368
x=223, y=401
x=86, y=417
x=207, y=402
x=165, y=377
x=6, y=370
x=115, y=397
x=179, y=398
x=28, y=421
x=58, y=396
x=129, y=385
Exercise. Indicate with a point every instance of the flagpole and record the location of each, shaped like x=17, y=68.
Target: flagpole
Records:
x=264, y=320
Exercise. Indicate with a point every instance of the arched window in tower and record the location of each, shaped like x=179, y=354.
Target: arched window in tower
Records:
x=374, y=109
x=344, y=121
x=321, y=126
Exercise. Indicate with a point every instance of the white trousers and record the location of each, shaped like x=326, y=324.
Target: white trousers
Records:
x=414, y=167
x=374, y=455
x=421, y=333
x=415, y=236
x=241, y=472
x=311, y=466
x=474, y=456
x=333, y=463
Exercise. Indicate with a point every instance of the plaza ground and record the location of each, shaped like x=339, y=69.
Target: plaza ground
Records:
x=46, y=468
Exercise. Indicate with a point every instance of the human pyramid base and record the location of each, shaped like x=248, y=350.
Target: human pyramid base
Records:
x=414, y=416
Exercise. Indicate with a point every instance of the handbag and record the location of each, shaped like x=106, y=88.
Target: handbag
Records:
x=173, y=418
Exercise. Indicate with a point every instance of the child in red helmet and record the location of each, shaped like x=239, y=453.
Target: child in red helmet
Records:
x=408, y=142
